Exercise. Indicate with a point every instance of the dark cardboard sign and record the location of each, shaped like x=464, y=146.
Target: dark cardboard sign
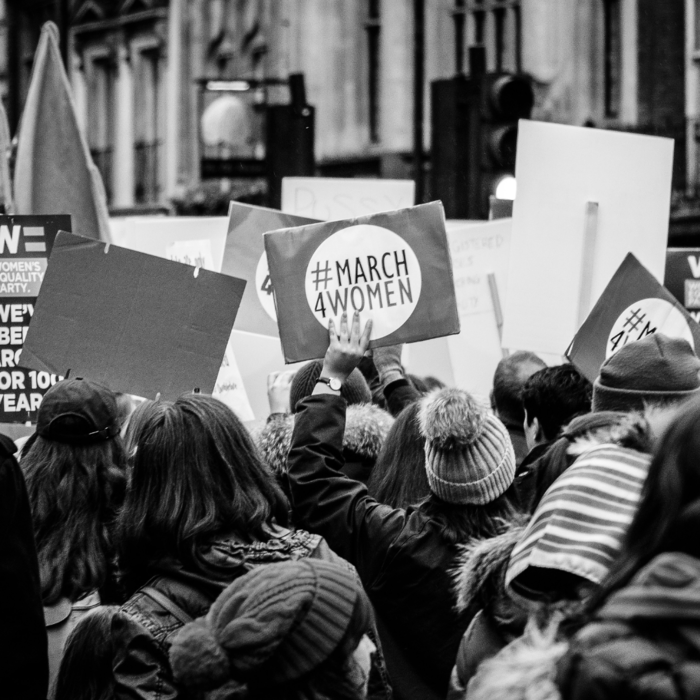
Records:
x=25, y=245
x=245, y=257
x=393, y=267
x=632, y=306
x=682, y=278
x=134, y=322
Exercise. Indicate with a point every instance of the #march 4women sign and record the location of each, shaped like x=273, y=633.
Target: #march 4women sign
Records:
x=392, y=267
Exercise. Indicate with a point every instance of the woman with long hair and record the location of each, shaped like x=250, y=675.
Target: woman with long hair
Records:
x=201, y=509
x=642, y=639
x=74, y=467
x=289, y=631
x=404, y=556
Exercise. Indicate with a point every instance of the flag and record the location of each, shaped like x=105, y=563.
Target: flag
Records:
x=54, y=173
x=632, y=306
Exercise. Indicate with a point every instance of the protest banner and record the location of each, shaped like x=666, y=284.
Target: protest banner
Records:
x=336, y=198
x=25, y=245
x=245, y=258
x=586, y=197
x=682, y=278
x=193, y=240
x=632, y=306
x=134, y=322
x=392, y=267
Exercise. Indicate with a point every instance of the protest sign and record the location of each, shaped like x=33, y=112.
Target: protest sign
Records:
x=230, y=388
x=193, y=240
x=25, y=245
x=392, y=267
x=632, y=306
x=586, y=197
x=245, y=258
x=335, y=198
x=135, y=322
x=682, y=278
x=477, y=252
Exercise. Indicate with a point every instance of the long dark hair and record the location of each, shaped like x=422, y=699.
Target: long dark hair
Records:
x=195, y=473
x=86, y=667
x=398, y=477
x=670, y=500
x=461, y=522
x=74, y=492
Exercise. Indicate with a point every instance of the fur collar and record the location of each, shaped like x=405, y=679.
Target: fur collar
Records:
x=366, y=428
x=632, y=433
x=479, y=574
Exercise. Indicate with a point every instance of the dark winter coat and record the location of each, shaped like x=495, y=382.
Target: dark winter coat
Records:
x=645, y=641
x=479, y=579
x=366, y=428
x=24, y=669
x=142, y=670
x=402, y=557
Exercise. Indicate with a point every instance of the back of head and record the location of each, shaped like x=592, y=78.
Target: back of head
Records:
x=508, y=381
x=398, y=477
x=74, y=468
x=577, y=530
x=354, y=390
x=282, y=627
x=556, y=395
x=654, y=370
x=195, y=472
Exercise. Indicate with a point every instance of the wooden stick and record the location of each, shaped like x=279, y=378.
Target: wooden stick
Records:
x=497, y=311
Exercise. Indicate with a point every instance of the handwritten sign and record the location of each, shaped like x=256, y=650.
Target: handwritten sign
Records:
x=229, y=386
x=682, y=278
x=331, y=199
x=392, y=267
x=25, y=245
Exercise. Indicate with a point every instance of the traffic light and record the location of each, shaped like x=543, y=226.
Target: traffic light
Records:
x=505, y=98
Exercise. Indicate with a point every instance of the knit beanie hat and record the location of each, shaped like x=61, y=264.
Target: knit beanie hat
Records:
x=656, y=367
x=469, y=457
x=354, y=390
x=273, y=625
x=577, y=529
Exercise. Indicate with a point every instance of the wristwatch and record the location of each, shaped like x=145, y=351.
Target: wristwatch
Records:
x=332, y=382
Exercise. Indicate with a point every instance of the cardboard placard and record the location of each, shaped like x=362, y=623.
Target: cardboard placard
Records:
x=25, y=245
x=193, y=240
x=560, y=170
x=682, y=278
x=245, y=258
x=478, y=251
x=337, y=198
x=393, y=267
x=134, y=322
x=632, y=306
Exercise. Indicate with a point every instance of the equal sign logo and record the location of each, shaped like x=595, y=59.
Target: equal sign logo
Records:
x=34, y=239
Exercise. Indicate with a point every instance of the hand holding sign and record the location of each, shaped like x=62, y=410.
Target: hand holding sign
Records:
x=279, y=386
x=346, y=348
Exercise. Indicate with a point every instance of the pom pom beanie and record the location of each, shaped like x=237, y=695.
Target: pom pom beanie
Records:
x=469, y=457
x=654, y=368
x=354, y=390
x=273, y=625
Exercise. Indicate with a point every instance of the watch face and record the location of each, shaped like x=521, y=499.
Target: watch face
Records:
x=335, y=384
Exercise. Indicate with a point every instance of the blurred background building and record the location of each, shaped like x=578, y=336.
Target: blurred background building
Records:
x=154, y=79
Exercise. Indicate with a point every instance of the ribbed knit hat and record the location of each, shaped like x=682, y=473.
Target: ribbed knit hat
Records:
x=469, y=457
x=656, y=367
x=273, y=625
x=578, y=527
x=354, y=390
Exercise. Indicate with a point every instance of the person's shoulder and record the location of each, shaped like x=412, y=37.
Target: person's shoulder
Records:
x=7, y=447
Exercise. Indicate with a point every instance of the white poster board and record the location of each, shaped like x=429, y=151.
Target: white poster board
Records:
x=195, y=240
x=333, y=198
x=559, y=169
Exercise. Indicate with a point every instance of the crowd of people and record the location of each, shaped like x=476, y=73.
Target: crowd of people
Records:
x=380, y=536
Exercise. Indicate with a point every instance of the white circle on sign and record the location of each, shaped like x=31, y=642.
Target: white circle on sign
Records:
x=263, y=287
x=364, y=268
x=644, y=318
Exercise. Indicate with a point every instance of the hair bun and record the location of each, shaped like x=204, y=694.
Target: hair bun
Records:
x=450, y=418
x=197, y=659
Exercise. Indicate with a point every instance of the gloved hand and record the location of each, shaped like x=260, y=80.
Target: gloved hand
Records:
x=387, y=360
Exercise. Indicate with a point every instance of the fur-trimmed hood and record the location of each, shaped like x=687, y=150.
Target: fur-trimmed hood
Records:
x=632, y=432
x=366, y=428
